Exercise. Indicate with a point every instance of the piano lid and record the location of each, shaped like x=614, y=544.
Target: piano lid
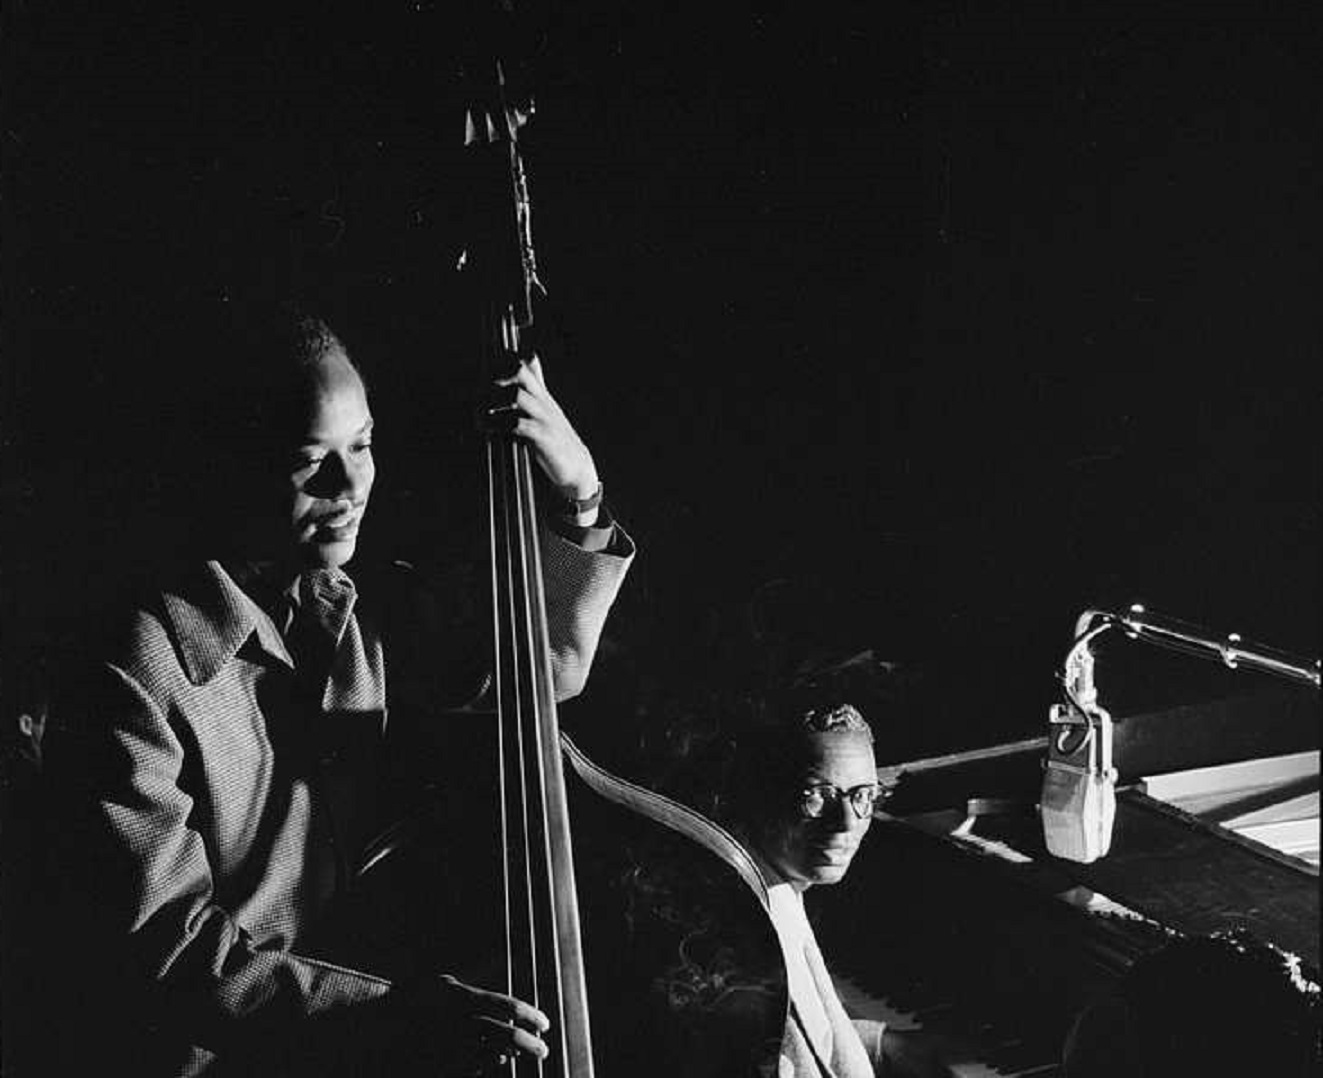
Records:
x=1272, y=801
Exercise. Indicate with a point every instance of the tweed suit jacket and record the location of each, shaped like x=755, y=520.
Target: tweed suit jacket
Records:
x=199, y=819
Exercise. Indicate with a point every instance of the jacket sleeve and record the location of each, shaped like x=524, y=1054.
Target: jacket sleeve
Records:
x=144, y=889
x=580, y=587
x=580, y=580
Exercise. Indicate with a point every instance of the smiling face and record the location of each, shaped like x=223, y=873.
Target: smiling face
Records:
x=819, y=851
x=330, y=477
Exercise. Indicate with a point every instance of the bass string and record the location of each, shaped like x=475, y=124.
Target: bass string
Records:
x=532, y=951
x=518, y=787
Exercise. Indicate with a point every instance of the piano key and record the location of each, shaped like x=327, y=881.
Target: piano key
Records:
x=971, y=1047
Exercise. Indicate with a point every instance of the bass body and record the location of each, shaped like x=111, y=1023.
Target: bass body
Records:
x=684, y=972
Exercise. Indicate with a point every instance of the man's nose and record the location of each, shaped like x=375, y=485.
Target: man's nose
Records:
x=342, y=476
x=840, y=816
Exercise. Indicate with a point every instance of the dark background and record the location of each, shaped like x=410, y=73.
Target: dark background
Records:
x=915, y=327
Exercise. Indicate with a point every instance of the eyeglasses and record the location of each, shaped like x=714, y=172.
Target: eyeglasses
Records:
x=813, y=800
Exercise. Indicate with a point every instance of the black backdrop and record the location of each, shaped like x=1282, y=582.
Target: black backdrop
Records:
x=912, y=326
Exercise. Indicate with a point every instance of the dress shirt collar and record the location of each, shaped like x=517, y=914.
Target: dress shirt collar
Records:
x=785, y=901
x=212, y=617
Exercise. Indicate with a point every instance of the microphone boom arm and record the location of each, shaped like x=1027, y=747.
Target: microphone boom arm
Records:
x=1232, y=650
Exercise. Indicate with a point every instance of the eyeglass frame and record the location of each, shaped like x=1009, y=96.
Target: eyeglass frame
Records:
x=880, y=793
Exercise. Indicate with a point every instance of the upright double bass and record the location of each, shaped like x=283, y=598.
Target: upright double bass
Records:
x=669, y=956
x=544, y=962
x=657, y=942
x=635, y=923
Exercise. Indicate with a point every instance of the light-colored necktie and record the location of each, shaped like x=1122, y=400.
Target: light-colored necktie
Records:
x=849, y=1057
x=821, y=1040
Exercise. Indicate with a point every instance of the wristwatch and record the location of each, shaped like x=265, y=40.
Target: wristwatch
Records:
x=576, y=507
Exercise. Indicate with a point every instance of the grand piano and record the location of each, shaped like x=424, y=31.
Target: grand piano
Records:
x=956, y=918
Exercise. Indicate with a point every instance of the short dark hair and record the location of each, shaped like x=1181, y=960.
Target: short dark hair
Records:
x=767, y=753
x=272, y=349
x=838, y=718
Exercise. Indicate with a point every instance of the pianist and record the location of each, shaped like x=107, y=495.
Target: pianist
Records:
x=801, y=799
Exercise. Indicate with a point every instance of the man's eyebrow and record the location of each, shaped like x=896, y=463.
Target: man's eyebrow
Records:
x=817, y=780
x=315, y=443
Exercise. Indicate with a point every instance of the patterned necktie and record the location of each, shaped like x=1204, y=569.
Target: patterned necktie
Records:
x=340, y=671
x=342, y=674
